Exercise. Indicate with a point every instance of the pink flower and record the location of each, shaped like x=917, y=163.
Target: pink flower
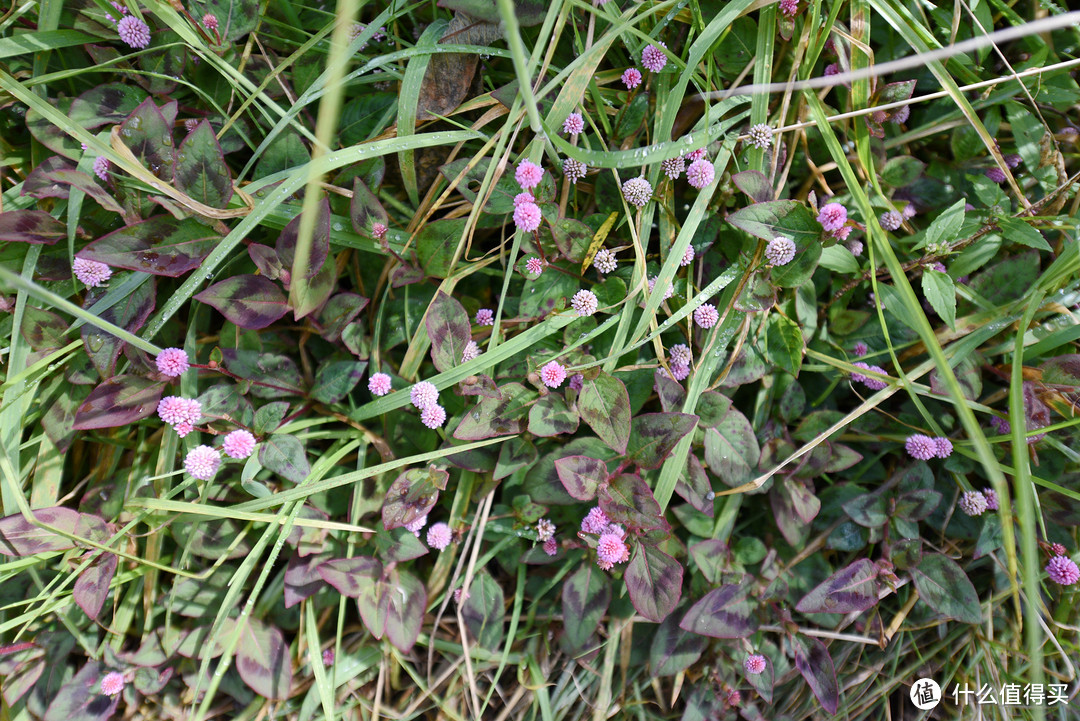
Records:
x=1057, y=549
x=484, y=316
x=189, y=125
x=523, y=197
x=680, y=355
x=175, y=410
x=920, y=447
x=991, y=499
x=551, y=546
x=573, y=124
x=553, y=374
x=995, y=174
x=789, y=7
x=841, y=233
x=416, y=524
x=1063, y=571
x=860, y=349
x=654, y=58
x=754, y=663
x=596, y=521
x=378, y=231
x=869, y=382
x=527, y=217
x=637, y=191
x=673, y=167
x=856, y=247
x=133, y=31
x=890, y=220
x=90, y=272
x=700, y=173
x=379, y=384
x=101, y=167
x=439, y=536
x=1013, y=161
x=631, y=78
x=534, y=266
x=942, y=447
x=695, y=154
x=545, y=529
x=831, y=69
x=577, y=382
x=667, y=291
x=687, y=256
x=471, y=352
x=458, y=595
x=584, y=303
x=605, y=261
x=424, y=394
x=328, y=657
x=433, y=416
x=706, y=316
x=172, y=362
x=209, y=21
x=112, y=683
x=972, y=503
x=611, y=549
x=238, y=444
x=182, y=429
x=760, y=136
x=574, y=170
x=780, y=251
x=528, y=174
x=202, y=462
x=832, y=216
x=680, y=371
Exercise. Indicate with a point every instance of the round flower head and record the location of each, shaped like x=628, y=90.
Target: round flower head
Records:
x=868, y=381
x=584, y=303
x=605, y=261
x=101, y=167
x=90, y=272
x=680, y=355
x=637, y=191
x=378, y=231
x=551, y=546
x=855, y=246
x=688, y=256
x=182, y=429
x=527, y=217
x=695, y=154
x=534, y=266
x=780, y=250
x=1013, y=161
x=1057, y=549
x=679, y=371
x=991, y=499
x=484, y=316
x=433, y=416
x=528, y=174
x=133, y=31
x=754, y=663
x=900, y=115
x=471, y=352
x=209, y=21
x=202, y=462
x=596, y=521
x=553, y=374
x=573, y=170
x=523, y=197
x=942, y=447
x=328, y=657
x=112, y=683
x=654, y=58
x=831, y=69
x=577, y=382
x=416, y=524
x=789, y=7
x=972, y=503
x=174, y=410
x=631, y=78
x=920, y=447
x=760, y=136
x=424, y=394
x=545, y=529
x=1000, y=425
x=439, y=536
x=172, y=362
x=860, y=349
x=995, y=174
x=379, y=384
x=1063, y=571
x=190, y=124
x=667, y=291
x=832, y=216
x=909, y=211
x=700, y=173
x=574, y=124
x=238, y=444
x=706, y=316
x=673, y=167
x=611, y=549
x=890, y=220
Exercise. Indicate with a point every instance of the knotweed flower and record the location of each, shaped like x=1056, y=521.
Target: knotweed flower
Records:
x=433, y=416
x=577, y=382
x=695, y=154
x=832, y=216
x=673, y=167
x=484, y=316
x=687, y=256
x=652, y=286
x=780, y=250
x=523, y=197
x=471, y=352
x=995, y=174
x=545, y=529
x=860, y=349
x=760, y=136
x=942, y=447
x=553, y=374
x=202, y=462
x=991, y=499
x=1000, y=425
x=909, y=211
x=706, y=316
x=900, y=115
x=379, y=384
x=182, y=429
x=190, y=124
x=574, y=124
x=209, y=21
x=596, y=521
x=528, y=174
x=789, y=7
x=856, y=247
x=584, y=303
x=654, y=58
x=1013, y=161
x=551, y=546
x=972, y=503
x=328, y=657
x=101, y=167
x=611, y=550
x=631, y=78
x=637, y=191
x=172, y=362
x=700, y=173
x=890, y=220
x=133, y=31
x=458, y=595
x=527, y=217
x=416, y=524
x=439, y=536
x=174, y=410
x=921, y=447
x=574, y=170
x=378, y=231
x=90, y=272
x=680, y=355
x=869, y=382
x=112, y=683
x=831, y=69
x=1063, y=571
x=238, y=444
x=754, y=663
x=534, y=266
x=679, y=371
x=605, y=261
x=1057, y=549
x=424, y=394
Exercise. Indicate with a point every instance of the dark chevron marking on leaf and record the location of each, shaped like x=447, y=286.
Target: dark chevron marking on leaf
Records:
x=654, y=435
x=145, y=131
x=654, y=582
x=200, y=169
x=118, y=402
x=550, y=416
x=483, y=611
x=721, y=613
x=585, y=599
x=30, y=226
x=108, y=103
x=80, y=699
x=130, y=313
x=20, y=537
x=674, y=649
x=262, y=660
x=816, y=665
x=302, y=578
x=365, y=209
x=350, y=575
x=249, y=301
x=91, y=588
x=320, y=241
x=496, y=416
x=581, y=476
x=946, y=588
x=406, y=603
x=449, y=330
x=605, y=405
x=849, y=590
x=412, y=495
x=628, y=500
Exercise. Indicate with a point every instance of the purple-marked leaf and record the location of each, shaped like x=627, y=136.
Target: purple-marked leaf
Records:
x=266, y=260
x=842, y=458
x=406, y=603
x=105, y=104
x=278, y=370
x=628, y=501
x=212, y=539
x=713, y=558
x=946, y=588
x=374, y=605
x=149, y=136
x=484, y=386
x=694, y=487
x=129, y=313
x=338, y=312
x=916, y=505
x=581, y=476
x=850, y=590
x=317, y=290
x=483, y=611
x=39, y=185
x=335, y=379
x=43, y=329
x=605, y=405
x=196, y=598
x=449, y=330
x=754, y=184
x=161, y=245
x=674, y=649
x=731, y=449
x=654, y=435
x=585, y=598
x=249, y=301
x=654, y=582
x=16, y=654
x=91, y=588
x=80, y=699
x=496, y=416
x=86, y=184
x=118, y=402
x=199, y=644
x=763, y=682
x=365, y=209
x=528, y=12
x=398, y=545
x=320, y=241
x=412, y=495
x=514, y=454
x=672, y=394
x=722, y=613
x=21, y=679
x=350, y=575
x=200, y=169
x=816, y=666
x=794, y=506
x=309, y=540
x=20, y=537
x=302, y=578
x=150, y=681
x=572, y=237
x=263, y=661
x=550, y=416
x=149, y=653
x=870, y=510
x=30, y=226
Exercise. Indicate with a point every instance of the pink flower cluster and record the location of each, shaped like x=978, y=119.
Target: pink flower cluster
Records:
x=180, y=413
x=553, y=374
x=870, y=382
x=91, y=273
x=172, y=362
x=1063, y=571
x=834, y=219
x=439, y=536
x=611, y=548
x=527, y=215
x=924, y=447
x=425, y=396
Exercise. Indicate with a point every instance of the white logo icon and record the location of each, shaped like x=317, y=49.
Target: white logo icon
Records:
x=925, y=694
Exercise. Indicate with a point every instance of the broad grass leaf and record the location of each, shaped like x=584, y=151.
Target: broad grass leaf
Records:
x=20, y=537
x=585, y=598
x=816, y=666
x=129, y=313
x=412, y=495
x=161, y=245
x=550, y=416
x=653, y=581
x=91, y=588
x=118, y=401
x=605, y=405
x=30, y=226
x=731, y=449
x=940, y=292
x=406, y=603
x=249, y=301
x=350, y=576
x=200, y=169
x=263, y=661
x=449, y=330
x=654, y=435
x=581, y=476
x=673, y=648
x=500, y=199
x=149, y=136
x=946, y=588
x=284, y=454
x=80, y=699
x=721, y=613
x=852, y=589
x=483, y=611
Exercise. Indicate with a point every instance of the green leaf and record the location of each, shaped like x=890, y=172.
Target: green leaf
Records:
x=723, y=612
x=654, y=435
x=483, y=611
x=200, y=169
x=852, y=589
x=406, y=602
x=335, y=379
x=1017, y=231
x=605, y=405
x=653, y=581
x=365, y=209
x=149, y=136
x=412, y=495
x=550, y=416
x=901, y=171
x=946, y=226
x=263, y=660
x=541, y=294
x=785, y=343
x=249, y=301
x=496, y=416
x=940, y=292
x=80, y=699
x=161, y=245
x=947, y=589
x=816, y=666
x=585, y=598
x=581, y=475
x=528, y=12
x=449, y=330
x=839, y=259
x=435, y=245
x=628, y=501
x=731, y=449
x=284, y=454
x=236, y=18
x=673, y=649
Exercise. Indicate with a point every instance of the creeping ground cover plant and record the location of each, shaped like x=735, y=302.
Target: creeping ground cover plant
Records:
x=500, y=359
